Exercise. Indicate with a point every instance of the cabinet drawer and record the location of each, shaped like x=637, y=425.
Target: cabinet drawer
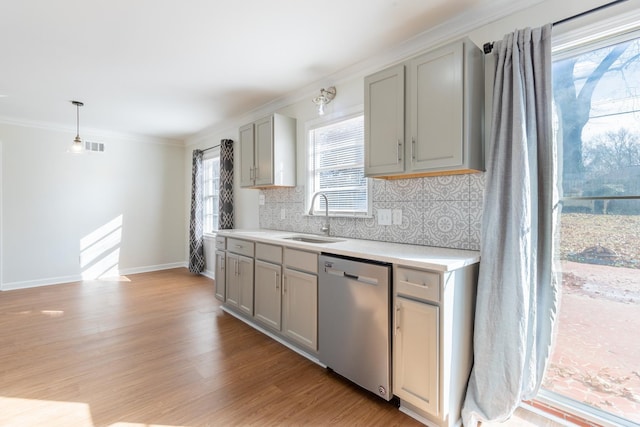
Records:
x=221, y=243
x=419, y=284
x=270, y=253
x=241, y=247
x=301, y=260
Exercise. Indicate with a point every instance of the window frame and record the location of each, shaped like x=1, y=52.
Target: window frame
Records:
x=310, y=181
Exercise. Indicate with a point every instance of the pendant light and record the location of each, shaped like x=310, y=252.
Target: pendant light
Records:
x=77, y=147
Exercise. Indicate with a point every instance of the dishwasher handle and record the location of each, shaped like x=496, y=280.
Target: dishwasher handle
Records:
x=340, y=273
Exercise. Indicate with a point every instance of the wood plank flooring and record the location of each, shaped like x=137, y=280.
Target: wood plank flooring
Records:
x=156, y=349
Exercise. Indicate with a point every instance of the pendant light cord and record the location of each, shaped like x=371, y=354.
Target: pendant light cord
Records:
x=77, y=120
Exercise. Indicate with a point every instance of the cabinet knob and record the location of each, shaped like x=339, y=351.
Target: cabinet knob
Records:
x=399, y=151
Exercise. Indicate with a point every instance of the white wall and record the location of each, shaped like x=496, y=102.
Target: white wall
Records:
x=121, y=211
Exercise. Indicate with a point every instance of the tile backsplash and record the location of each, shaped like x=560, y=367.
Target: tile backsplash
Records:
x=443, y=211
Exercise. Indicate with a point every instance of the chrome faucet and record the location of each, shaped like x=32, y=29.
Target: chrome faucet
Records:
x=325, y=228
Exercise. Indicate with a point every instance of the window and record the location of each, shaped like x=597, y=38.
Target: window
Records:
x=211, y=188
x=595, y=360
x=336, y=156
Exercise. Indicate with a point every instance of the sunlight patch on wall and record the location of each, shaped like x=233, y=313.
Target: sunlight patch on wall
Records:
x=100, y=251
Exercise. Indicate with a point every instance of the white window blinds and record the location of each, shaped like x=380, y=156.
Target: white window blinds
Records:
x=337, y=156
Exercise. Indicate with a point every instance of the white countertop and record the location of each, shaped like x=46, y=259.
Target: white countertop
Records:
x=433, y=258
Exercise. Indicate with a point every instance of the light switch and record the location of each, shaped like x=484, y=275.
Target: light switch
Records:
x=384, y=216
x=397, y=217
x=283, y=213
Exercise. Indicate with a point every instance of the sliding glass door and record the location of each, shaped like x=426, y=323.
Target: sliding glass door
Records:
x=595, y=365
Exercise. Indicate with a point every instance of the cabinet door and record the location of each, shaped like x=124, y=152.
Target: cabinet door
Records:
x=245, y=284
x=300, y=308
x=384, y=102
x=220, y=276
x=264, y=151
x=436, y=109
x=246, y=146
x=416, y=373
x=268, y=302
x=232, y=282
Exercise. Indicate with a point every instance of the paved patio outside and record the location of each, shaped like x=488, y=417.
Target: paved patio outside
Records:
x=597, y=351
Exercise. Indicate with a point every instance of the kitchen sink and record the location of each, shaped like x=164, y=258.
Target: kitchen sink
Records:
x=313, y=239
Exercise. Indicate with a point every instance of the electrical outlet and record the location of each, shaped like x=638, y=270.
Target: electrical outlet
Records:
x=397, y=216
x=283, y=213
x=384, y=216
x=261, y=200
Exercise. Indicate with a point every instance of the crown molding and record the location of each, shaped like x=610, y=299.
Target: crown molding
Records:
x=91, y=133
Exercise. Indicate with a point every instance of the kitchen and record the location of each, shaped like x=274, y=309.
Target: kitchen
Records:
x=111, y=206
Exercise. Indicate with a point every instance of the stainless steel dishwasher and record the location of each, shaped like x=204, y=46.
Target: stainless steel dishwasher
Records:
x=354, y=325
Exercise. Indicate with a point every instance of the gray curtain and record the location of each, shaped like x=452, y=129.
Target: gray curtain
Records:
x=196, y=242
x=517, y=288
x=225, y=203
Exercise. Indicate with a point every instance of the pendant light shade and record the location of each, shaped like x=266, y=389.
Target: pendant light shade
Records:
x=77, y=147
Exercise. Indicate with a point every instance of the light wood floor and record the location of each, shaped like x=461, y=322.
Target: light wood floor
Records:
x=156, y=349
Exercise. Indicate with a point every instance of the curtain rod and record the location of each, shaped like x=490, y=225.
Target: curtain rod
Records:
x=488, y=47
x=210, y=148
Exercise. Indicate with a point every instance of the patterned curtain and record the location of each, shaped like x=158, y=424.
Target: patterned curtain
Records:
x=225, y=218
x=196, y=242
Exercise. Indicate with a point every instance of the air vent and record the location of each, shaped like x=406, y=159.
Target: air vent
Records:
x=94, y=146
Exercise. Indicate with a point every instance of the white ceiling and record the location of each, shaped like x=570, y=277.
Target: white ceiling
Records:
x=170, y=68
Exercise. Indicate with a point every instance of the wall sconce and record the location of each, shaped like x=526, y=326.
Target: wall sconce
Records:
x=325, y=97
x=77, y=147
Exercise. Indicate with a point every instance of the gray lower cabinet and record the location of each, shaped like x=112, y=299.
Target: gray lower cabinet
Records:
x=268, y=285
x=433, y=340
x=268, y=299
x=239, y=275
x=220, y=268
x=300, y=308
x=240, y=282
x=300, y=298
x=220, y=280
x=277, y=287
x=416, y=354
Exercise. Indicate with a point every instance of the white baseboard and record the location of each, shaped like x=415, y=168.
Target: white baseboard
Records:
x=10, y=286
x=210, y=274
x=40, y=282
x=150, y=268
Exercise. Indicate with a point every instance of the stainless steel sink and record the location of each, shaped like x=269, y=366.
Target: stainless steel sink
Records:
x=313, y=239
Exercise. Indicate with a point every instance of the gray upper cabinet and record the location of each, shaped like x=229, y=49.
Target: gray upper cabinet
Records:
x=268, y=152
x=246, y=148
x=431, y=122
x=384, y=121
